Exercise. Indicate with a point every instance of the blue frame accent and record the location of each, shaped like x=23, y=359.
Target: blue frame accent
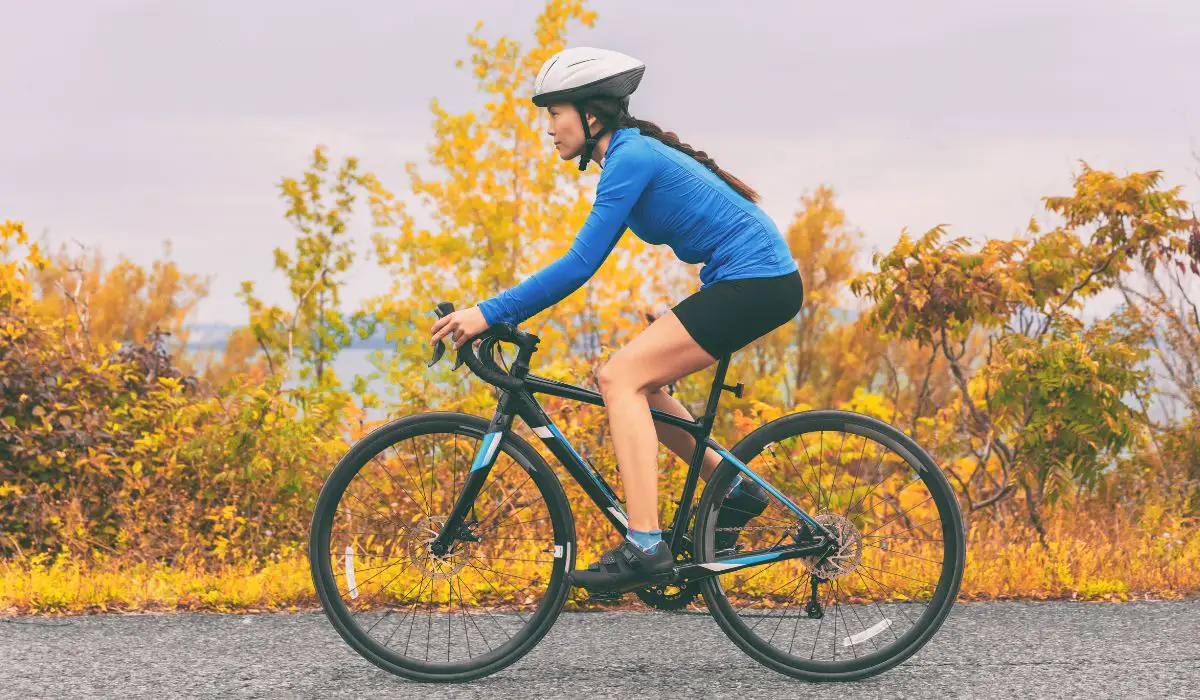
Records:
x=485, y=451
x=769, y=488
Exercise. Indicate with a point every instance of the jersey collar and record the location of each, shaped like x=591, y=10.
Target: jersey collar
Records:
x=617, y=135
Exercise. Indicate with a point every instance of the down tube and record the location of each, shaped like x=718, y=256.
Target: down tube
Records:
x=579, y=469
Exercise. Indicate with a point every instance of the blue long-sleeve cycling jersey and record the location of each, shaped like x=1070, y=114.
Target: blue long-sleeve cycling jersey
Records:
x=663, y=196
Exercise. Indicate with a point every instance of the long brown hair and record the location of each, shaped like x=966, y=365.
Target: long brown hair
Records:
x=612, y=113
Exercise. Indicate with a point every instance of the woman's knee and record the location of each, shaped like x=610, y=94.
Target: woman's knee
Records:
x=609, y=378
x=614, y=376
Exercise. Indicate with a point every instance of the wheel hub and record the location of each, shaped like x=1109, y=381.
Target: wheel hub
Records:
x=846, y=554
x=420, y=535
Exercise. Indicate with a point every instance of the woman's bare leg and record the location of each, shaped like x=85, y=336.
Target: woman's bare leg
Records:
x=659, y=355
x=679, y=440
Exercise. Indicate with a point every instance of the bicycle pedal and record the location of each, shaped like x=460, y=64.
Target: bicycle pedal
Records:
x=668, y=577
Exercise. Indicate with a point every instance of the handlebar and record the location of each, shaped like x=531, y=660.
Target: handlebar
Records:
x=484, y=365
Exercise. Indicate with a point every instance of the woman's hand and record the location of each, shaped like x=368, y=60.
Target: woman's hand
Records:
x=459, y=325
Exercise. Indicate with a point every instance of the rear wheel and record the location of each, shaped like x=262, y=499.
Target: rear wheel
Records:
x=890, y=580
x=467, y=613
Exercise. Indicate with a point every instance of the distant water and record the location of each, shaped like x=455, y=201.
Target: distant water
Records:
x=347, y=364
x=354, y=362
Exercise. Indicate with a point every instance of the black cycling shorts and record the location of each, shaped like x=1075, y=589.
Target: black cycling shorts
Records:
x=728, y=315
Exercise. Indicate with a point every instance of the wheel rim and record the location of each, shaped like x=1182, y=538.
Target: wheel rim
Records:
x=440, y=614
x=884, y=585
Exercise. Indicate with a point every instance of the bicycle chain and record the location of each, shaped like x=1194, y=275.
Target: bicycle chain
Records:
x=755, y=528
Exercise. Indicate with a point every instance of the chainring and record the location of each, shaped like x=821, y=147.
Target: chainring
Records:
x=671, y=596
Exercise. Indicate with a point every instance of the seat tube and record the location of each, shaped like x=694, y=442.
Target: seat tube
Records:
x=693, y=476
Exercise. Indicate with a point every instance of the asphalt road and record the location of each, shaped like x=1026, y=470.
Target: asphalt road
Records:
x=1010, y=650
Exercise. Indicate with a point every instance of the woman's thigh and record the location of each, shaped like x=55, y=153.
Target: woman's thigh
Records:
x=662, y=353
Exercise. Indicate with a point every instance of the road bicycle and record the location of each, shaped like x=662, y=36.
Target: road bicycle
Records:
x=442, y=543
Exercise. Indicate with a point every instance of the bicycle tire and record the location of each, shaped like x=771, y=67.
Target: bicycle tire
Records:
x=321, y=556
x=941, y=600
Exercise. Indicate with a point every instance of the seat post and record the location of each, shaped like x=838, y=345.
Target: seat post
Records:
x=714, y=395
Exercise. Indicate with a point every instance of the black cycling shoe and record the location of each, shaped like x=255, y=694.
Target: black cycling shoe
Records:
x=626, y=567
x=738, y=510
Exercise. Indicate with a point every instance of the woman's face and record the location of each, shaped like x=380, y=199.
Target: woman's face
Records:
x=566, y=130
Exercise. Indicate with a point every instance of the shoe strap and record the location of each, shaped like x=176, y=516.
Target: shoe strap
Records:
x=634, y=560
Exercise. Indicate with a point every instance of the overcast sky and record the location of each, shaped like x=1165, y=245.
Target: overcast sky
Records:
x=124, y=124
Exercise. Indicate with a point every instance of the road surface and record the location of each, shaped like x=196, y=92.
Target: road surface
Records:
x=1002, y=650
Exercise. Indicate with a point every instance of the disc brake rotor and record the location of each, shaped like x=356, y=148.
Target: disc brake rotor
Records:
x=847, y=553
x=420, y=535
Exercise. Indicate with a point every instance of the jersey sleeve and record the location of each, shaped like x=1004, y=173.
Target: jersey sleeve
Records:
x=621, y=184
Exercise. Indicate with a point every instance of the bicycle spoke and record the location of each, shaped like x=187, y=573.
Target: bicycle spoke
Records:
x=392, y=479
x=877, y=529
x=386, y=515
x=836, y=470
x=413, y=611
x=400, y=622
x=903, y=554
x=892, y=573
x=861, y=626
x=876, y=604
x=493, y=586
x=344, y=509
x=487, y=519
x=906, y=539
x=517, y=523
x=536, y=561
x=850, y=508
x=769, y=614
x=855, y=484
x=889, y=588
x=795, y=471
x=404, y=467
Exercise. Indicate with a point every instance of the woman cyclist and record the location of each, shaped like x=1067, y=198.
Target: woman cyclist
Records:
x=666, y=192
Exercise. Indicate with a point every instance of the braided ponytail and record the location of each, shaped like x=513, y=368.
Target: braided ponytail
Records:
x=612, y=112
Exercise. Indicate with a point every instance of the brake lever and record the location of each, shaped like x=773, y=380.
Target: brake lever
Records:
x=440, y=348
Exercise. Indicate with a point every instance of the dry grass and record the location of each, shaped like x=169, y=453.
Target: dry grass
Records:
x=43, y=586
x=1091, y=553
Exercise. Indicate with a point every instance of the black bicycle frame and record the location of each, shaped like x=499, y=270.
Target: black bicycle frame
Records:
x=522, y=403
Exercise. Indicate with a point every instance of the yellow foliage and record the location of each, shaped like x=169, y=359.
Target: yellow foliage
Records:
x=18, y=259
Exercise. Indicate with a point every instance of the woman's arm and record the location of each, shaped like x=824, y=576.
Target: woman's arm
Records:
x=621, y=184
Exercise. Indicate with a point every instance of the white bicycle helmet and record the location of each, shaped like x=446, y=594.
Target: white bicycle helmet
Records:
x=574, y=75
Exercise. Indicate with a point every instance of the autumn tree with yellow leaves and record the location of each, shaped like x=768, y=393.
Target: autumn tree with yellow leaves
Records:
x=1043, y=414
x=113, y=454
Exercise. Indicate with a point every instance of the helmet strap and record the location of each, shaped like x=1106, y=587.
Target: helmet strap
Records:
x=589, y=142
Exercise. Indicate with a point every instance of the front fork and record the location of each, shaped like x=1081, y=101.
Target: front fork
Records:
x=457, y=527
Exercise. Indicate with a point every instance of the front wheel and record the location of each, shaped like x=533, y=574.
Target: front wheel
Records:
x=470, y=611
x=888, y=583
